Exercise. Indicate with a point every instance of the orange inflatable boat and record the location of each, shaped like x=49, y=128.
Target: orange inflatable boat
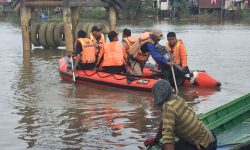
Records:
x=103, y=78
x=145, y=83
x=197, y=78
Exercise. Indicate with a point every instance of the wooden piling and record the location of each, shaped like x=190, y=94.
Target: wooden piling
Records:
x=67, y=26
x=25, y=26
x=112, y=18
x=75, y=18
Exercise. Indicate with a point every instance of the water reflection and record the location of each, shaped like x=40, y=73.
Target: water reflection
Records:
x=45, y=112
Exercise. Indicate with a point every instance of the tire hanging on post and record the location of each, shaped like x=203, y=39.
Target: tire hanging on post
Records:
x=34, y=34
x=50, y=35
x=42, y=35
x=59, y=34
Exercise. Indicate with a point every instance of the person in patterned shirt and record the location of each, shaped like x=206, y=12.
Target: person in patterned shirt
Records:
x=178, y=120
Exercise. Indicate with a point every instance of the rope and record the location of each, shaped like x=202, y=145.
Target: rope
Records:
x=111, y=74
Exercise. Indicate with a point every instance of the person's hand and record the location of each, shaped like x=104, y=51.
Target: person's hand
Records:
x=170, y=63
x=149, y=142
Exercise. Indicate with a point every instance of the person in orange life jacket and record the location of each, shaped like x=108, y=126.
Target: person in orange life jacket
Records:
x=178, y=50
x=114, y=55
x=128, y=40
x=85, y=53
x=98, y=39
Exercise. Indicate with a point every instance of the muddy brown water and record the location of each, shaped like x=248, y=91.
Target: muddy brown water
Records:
x=40, y=111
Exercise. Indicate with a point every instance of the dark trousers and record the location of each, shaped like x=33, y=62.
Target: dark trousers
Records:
x=114, y=69
x=185, y=145
x=82, y=66
x=168, y=75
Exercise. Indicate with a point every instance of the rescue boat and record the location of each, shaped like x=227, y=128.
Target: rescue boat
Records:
x=199, y=79
x=104, y=78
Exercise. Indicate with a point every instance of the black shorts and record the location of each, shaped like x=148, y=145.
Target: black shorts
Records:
x=82, y=66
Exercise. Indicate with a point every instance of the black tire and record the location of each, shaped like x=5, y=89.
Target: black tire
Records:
x=50, y=35
x=79, y=27
x=59, y=34
x=85, y=27
x=34, y=34
x=42, y=35
x=101, y=26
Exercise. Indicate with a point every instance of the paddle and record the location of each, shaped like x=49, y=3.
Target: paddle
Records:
x=176, y=88
x=72, y=66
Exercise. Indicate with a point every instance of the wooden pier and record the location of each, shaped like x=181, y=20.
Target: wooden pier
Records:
x=70, y=17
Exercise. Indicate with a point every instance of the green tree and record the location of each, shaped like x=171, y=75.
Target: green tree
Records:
x=134, y=9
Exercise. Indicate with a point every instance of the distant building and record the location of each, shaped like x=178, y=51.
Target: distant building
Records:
x=203, y=4
x=236, y=4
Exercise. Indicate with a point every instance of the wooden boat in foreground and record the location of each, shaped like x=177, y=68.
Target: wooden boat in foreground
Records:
x=231, y=124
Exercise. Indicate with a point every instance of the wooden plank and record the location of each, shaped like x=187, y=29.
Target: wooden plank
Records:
x=72, y=3
x=43, y=4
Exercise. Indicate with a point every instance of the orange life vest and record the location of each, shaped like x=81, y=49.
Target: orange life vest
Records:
x=129, y=41
x=114, y=54
x=179, y=53
x=88, y=50
x=101, y=41
x=144, y=38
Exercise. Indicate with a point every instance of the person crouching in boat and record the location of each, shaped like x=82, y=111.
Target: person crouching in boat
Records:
x=178, y=50
x=128, y=40
x=85, y=53
x=113, y=58
x=143, y=48
x=98, y=39
x=180, y=121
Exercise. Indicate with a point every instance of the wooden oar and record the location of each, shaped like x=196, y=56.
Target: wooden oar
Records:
x=176, y=88
x=72, y=66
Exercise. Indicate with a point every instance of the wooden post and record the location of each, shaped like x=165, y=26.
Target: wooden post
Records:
x=67, y=26
x=75, y=17
x=112, y=18
x=25, y=20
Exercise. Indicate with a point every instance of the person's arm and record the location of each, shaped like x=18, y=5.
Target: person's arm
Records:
x=159, y=133
x=156, y=139
x=167, y=146
x=100, y=57
x=168, y=127
x=183, y=55
x=124, y=53
x=77, y=60
x=158, y=57
x=78, y=55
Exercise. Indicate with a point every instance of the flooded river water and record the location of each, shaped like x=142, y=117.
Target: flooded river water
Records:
x=40, y=111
